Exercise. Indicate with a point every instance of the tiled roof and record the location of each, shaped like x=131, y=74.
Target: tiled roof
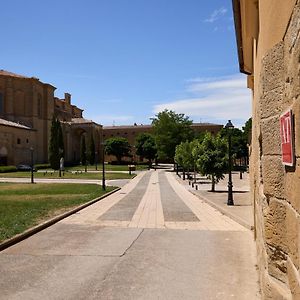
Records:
x=13, y=124
x=6, y=73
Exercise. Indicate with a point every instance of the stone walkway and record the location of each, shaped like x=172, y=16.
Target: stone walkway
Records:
x=139, y=205
x=152, y=239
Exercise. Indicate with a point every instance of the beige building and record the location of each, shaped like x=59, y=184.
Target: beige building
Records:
x=26, y=109
x=268, y=39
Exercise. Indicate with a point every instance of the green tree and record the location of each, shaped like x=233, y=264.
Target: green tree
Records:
x=117, y=146
x=170, y=129
x=83, y=151
x=55, y=143
x=239, y=142
x=247, y=130
x=60, y=140
x=146, y=147
x=92, y=150
x=212, y=158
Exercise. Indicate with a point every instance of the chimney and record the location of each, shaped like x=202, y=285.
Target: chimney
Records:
x=68, y=98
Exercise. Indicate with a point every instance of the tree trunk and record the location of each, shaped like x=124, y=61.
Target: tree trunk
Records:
x=213, y=183
x=183, y=174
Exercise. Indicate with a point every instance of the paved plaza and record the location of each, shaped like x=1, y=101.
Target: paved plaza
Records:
x=153, y=239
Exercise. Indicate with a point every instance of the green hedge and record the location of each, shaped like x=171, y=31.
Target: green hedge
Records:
x=7, y=169
x=42, y=166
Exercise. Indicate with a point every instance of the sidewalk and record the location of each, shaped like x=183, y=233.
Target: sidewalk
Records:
x=241, y=212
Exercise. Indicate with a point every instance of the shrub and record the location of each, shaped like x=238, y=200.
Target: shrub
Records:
x=7, y=169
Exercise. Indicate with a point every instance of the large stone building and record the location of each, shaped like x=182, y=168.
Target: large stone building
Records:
x=27, y=106
x=268, y=39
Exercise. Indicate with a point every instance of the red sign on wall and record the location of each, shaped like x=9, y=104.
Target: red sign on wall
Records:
x=286, y=135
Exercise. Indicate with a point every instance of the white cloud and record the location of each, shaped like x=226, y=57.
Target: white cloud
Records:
x=213, y=100
x=217, y=14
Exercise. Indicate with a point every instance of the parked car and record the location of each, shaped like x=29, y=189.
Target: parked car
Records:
x=22, y=167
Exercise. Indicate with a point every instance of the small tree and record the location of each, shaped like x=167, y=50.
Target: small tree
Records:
x=212, y=158
x=92, y=150
x=117, y=146
x=145, y=147
x=60, y=140
x=83, y=151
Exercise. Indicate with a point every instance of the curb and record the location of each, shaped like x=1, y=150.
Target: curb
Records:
x=31, y=231
x=224, y=211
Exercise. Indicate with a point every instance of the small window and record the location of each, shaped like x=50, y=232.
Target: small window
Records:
x=18, y=141
x=27, y=141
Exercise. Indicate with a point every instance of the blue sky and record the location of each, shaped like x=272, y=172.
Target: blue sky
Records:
x=123, y=61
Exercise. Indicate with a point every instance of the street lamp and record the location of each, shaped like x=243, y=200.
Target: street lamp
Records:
x=229, y=126
x=31, y=167
x=103, y=166
x=85, y=165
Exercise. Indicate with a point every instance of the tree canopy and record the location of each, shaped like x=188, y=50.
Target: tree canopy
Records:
x=146, y=147
x=212, y=158
x=170, y=129
x=117, y=146
x=56, y=144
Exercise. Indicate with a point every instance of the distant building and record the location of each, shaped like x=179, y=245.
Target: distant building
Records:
x=130, y=132
x=26, y=109
x=27, y=106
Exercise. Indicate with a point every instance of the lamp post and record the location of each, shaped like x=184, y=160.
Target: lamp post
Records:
x=31, y=167
x=85, y=165
x=103, y=166
x=229, y=126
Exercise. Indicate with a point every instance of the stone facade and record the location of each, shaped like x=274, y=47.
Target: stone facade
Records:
x=27, y=106
x=275, y=188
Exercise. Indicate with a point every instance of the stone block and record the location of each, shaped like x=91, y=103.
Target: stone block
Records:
x=273, y=289
x=270, y=130
x=277, y=264
x=292, y=186
x=293, y=279
x=271, y=103
x=275, y=227
x=273, y=69
x=273, y=176
x=292, y=234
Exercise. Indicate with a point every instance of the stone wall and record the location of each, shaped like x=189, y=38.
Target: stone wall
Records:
x=275, y=187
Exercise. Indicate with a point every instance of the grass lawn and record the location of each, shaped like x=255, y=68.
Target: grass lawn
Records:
x=68, y=175
x=25, y=205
